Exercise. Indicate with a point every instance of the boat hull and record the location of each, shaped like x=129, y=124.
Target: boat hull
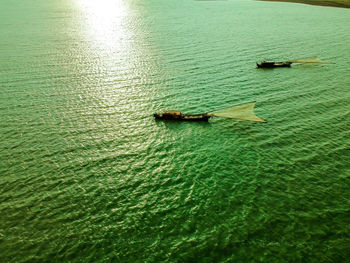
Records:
x=181, y=117
x=196, y=117
x=265, y=64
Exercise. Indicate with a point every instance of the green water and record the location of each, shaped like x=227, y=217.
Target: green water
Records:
x=87, y=175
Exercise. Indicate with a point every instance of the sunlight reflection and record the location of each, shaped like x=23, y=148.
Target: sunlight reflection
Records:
x=106, y=21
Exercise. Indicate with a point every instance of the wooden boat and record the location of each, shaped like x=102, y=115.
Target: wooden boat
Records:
x=178, y=115
x=272, y=64
x=243, y=111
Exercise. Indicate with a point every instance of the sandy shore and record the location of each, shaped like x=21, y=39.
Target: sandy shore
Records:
x=333, y=3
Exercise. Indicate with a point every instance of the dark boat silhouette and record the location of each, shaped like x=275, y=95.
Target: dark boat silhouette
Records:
x=244, y=111
x=272, y=64
x=283, y=64
x=178, y=115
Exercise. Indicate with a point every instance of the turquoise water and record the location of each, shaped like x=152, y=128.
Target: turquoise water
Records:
x=87, y=175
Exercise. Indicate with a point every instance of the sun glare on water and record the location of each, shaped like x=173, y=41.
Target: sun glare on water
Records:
x=105, y=21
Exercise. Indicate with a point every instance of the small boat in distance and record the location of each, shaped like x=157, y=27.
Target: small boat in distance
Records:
x=244, y=111
x=272, y=64
x=284, y=64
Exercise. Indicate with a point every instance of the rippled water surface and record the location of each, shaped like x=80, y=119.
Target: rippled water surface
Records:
x=87, y=175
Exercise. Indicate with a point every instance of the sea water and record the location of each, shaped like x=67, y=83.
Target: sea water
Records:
x=87, y=174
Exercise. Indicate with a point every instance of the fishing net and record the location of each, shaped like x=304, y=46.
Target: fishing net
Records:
x=243, y=111
x=312, y=60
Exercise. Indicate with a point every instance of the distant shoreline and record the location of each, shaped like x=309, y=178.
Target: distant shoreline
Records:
x=330, y=3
